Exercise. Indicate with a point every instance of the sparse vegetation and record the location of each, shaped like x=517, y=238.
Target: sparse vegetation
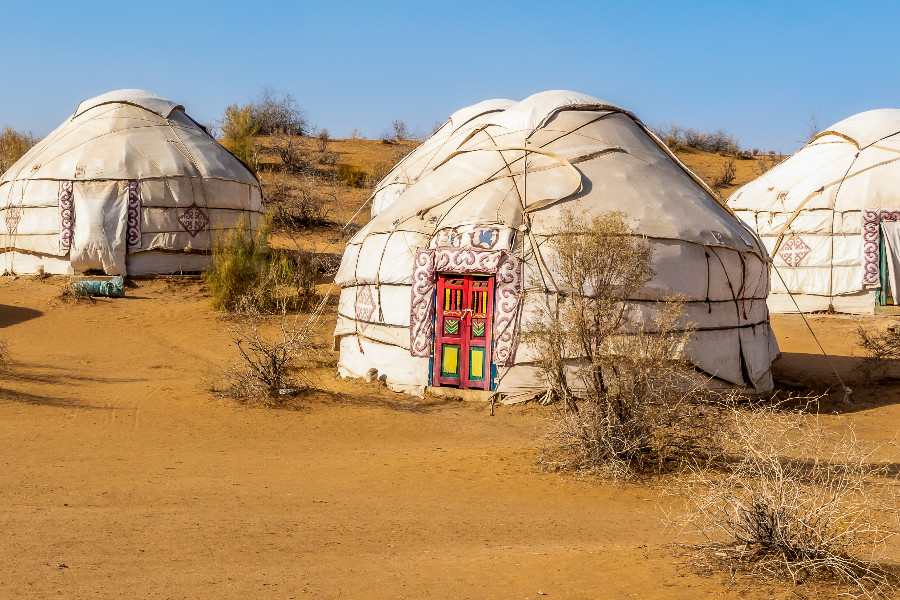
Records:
x=246, y=273
x=768, y=161
x=679, y=139
x=269, y=372
x=880, y=349
x=794, y=501
x=300, y=201
x=352, y=176
x=240, y=130
x=13, y=146
x=74, y=295
x=726, y=175
x=398, y=132
x=632, y=404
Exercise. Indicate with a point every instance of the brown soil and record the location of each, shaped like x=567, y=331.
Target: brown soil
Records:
x=120, y=464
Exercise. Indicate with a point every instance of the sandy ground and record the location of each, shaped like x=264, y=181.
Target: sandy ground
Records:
x=119, y=463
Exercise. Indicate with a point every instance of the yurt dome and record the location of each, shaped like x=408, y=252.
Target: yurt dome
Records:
x=461, y=213
x=830, y=217
x=129, y=184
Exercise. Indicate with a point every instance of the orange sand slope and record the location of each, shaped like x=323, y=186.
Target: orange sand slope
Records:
x=120, y=464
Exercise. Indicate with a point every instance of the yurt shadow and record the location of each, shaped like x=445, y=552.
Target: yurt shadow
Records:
x=19, y=397
x=13, y=315
x=52, y=375
x=813, y=370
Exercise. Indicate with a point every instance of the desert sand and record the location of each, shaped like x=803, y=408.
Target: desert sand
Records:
x=119, y=463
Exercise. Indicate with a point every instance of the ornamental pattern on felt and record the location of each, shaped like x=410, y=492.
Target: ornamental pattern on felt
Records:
x=872, y=218
x=507, y=270
x=193, y=219
x=794, y=250
x=134, y=215
x=66, y=214
x=365, y=306
x=13, y=216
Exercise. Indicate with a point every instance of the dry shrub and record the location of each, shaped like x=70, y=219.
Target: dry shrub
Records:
x=300, y=202
x=399, y=151
x=246, y=272
x=398, y=132
x=275, y=111
x=273, y=354
x=288, y=146
x=322, y=139
x=74, y=295
x=13, y=146
x=795, y=501
x=726, y=174
x=633, y=404
x=880, y=349
x=766, y=163
x=679, y=139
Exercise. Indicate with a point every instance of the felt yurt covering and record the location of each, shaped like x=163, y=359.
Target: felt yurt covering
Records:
x=129, y=184
x=462, y=203
x=832, y=209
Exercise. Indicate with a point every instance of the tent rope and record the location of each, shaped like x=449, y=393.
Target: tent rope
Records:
x=847, y=391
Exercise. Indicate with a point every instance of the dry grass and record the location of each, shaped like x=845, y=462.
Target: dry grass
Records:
x=793, y=501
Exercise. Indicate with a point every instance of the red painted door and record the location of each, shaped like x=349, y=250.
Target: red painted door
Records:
x=463, y=326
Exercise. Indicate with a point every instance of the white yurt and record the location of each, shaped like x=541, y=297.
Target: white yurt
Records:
x=830, y=217
x=437, y=287
x=129, y=184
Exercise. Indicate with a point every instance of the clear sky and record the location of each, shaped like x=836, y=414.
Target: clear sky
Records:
x=758, y=69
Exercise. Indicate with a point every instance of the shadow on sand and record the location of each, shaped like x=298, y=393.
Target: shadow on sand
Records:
x=12, y=315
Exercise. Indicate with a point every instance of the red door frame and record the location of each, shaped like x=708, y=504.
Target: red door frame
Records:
x=464, y=319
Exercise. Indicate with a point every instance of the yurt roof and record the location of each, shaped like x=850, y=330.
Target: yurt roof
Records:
x=853, y=164
x=144, y=99
x=866, y=128
x=128, y=134
x=467, y=179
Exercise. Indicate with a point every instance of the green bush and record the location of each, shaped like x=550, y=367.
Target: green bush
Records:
x=13, y=146
x=247, y=273
x=240, y=130
x=351, y=176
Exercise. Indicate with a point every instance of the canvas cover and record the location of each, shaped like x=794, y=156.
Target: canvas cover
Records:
x=822, y=207
x=463, y=203
x=176, y=186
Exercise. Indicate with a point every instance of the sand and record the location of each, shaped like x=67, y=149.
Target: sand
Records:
x=121, y=464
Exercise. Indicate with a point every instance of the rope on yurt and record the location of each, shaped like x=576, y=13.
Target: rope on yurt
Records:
x=708, y=303
x=847, y=391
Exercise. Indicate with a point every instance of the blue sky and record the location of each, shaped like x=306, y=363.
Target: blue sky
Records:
x=757, y=69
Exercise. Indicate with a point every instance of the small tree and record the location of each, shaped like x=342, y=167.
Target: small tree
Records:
x=13, y=146
x=632, y=400
x=240, y=131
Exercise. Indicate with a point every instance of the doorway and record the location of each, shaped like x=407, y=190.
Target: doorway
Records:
x=100, y=225
x=463, y=330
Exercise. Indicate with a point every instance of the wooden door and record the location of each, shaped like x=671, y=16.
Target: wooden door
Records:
x=463, y=327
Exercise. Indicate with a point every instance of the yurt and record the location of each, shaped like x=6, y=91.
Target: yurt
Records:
x=830, y=217
x=463, y=219
x=129, y=184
